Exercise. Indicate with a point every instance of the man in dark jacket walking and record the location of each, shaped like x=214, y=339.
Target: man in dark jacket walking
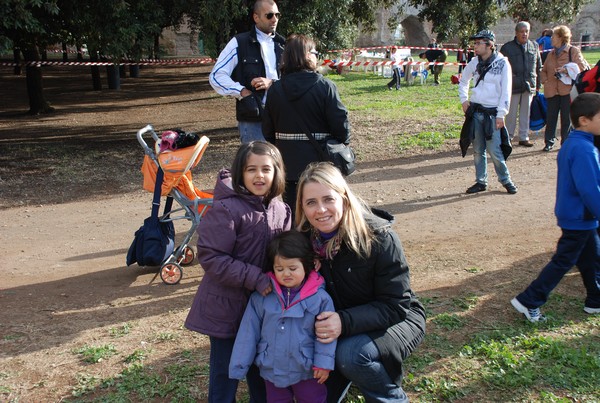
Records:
x=524, y=57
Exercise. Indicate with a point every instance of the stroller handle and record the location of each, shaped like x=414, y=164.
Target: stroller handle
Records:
x=140, y=138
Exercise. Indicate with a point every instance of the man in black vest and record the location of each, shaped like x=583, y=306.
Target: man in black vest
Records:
x=247, y=67
x=526, y=63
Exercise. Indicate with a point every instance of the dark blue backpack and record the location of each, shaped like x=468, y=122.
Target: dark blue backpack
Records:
x=154, y=241
x=537, y=113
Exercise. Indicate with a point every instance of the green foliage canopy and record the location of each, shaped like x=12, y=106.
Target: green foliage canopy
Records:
x=454, y=20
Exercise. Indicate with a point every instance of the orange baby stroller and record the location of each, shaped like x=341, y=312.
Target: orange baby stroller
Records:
x=177, y=185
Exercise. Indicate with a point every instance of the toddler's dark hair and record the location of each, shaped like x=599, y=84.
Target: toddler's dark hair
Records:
x=291, y=245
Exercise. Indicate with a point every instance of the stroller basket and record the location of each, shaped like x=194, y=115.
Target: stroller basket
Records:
x=178, y=185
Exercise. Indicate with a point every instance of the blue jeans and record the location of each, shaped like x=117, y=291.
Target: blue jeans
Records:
x=250, y=131
x=480, y=144
x=357, y=360
x=575, y=247
x=221, y=389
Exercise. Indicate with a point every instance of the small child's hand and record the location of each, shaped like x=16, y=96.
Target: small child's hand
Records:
x=320, y=374
x=266, y=291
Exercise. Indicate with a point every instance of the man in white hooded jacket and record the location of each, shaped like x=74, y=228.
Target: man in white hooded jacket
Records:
x=487, y=106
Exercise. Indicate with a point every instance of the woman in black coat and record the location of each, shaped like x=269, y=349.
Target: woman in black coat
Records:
x=303, y=100
x=378, y=320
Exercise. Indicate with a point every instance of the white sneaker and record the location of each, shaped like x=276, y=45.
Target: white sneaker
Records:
x=589, y=310
x=533, y=315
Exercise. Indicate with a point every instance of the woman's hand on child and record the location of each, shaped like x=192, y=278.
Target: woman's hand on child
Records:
x=328, y=327
x=320, y=374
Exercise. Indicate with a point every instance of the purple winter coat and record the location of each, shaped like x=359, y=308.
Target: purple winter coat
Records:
x=232, y=245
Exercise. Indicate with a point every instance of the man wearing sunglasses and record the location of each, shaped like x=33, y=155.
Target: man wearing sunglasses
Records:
x=247, y=67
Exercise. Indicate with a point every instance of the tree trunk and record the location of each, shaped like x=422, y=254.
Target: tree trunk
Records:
x=156, y=46
x=134, y=70
x=96, y=82
x=35, y=89
x=17, y=58
x=79, y=47
x=65, y=50
x=114, y=79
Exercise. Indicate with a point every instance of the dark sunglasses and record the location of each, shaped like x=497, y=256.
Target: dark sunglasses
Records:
x=271, y=15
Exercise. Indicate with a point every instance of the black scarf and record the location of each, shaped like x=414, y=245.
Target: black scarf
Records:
x=483, y=66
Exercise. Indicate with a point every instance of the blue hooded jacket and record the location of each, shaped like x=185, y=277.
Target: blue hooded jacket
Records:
x=281, y=341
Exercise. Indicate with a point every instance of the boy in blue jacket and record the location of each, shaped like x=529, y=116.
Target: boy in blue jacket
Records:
x=577, y=211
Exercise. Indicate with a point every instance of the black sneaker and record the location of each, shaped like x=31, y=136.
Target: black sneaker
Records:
x=476, y=188
x=548, y=147
x=510, y=188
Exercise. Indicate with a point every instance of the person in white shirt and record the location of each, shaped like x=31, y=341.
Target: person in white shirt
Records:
x=396, y=57
x=485, y=110
x=247, y=67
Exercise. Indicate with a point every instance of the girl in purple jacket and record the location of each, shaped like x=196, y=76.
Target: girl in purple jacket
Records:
x=247, y=213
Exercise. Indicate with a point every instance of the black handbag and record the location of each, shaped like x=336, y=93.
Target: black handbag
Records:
x=154, y=241
x=340, y=154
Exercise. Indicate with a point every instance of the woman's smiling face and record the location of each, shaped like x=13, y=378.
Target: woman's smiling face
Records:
x=323, y=207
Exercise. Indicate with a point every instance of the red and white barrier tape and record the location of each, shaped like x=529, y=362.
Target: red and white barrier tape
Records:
x=370, y=48
x=145, y=62
x=456, y=49
x=331, y=63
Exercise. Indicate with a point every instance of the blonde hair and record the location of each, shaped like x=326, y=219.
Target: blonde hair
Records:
x=353, y=230
x=563, y=32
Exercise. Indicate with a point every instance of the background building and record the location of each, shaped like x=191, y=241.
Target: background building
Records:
x=586, y=25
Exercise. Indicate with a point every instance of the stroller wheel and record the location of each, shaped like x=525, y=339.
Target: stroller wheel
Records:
x=188, y=256
x=171, y=273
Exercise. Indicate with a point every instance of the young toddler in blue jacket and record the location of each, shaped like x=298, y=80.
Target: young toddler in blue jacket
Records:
x=277, y=332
